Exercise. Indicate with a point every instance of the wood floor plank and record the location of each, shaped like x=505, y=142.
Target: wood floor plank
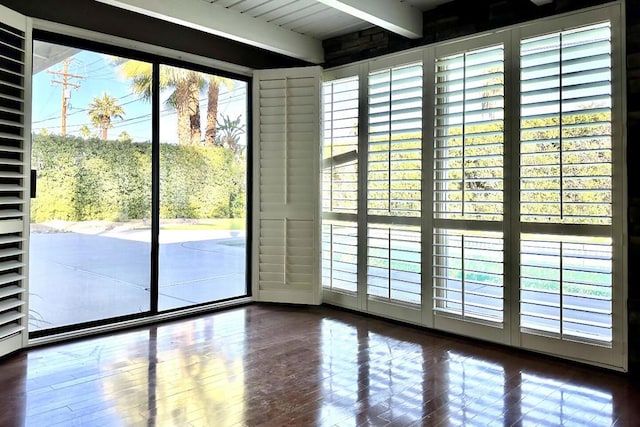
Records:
x=272, y=365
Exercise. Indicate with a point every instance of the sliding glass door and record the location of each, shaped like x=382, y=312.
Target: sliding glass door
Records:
x=203, y=155
x=128, y=220
x=91, y=156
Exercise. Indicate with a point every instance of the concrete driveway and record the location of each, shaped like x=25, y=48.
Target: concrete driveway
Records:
x=79, y=277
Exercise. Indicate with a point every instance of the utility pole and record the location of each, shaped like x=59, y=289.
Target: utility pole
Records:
x=65, y=82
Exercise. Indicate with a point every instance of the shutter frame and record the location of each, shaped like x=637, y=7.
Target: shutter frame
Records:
x=15, y=104
x=286, y=198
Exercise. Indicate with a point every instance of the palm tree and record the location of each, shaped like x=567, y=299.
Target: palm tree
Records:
x=85, y=131
x=102, y=111
x=229, y=133
x=213, y=92
x=185, y=98
x=124, y=137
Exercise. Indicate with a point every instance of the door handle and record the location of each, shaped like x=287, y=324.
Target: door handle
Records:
x=34, y=179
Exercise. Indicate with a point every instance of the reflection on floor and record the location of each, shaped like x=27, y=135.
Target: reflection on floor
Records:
x=270, y=365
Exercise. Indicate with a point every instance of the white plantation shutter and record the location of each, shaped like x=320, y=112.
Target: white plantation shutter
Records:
x=286, y=176
x=507, y=220
x=566, y=186
x=340, y=147
x=395, y=142
x=394, y=270
x=468, y=191
x=340, y=256
x=469, y=277
x=340, y=186
x=469, y=135
x=566, y=287
x=394, y=190
x=394, y=181
x=566, y=151
x=15, y=66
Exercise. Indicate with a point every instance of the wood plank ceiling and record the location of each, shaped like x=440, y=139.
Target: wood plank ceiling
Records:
x=291, y=27
x=310, y=17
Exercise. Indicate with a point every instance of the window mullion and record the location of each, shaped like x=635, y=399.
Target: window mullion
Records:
x=511, y=225
x=363, y=169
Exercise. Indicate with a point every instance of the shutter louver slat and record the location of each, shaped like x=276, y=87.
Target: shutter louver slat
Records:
x=7, y=291
x=7, y=306
x=10, y=328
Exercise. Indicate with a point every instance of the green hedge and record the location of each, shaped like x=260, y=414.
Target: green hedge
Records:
x=81, y=180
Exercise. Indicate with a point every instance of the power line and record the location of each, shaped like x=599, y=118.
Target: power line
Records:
x=80, y=110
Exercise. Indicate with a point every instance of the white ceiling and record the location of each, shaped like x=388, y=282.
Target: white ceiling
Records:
x=310, y=17
x=291, y=27
x=294, y=28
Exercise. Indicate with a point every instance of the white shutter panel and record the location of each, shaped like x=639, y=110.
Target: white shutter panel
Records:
x=340, y=189
x=566, y=138
x=15, y=63
x=468, y=191
x=287, y=191
x=567, y=151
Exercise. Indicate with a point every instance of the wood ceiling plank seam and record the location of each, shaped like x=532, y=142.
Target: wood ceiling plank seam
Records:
x=254, y=5
x=275, y=11
x=269, y=7
x=237, y=5
x=289, y=19
x=282, y=13
x=224, y=3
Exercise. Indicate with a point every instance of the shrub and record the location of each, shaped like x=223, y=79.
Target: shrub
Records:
x=81, y=180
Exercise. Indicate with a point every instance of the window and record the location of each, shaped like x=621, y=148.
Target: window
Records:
x=566, y=127
x=469, y=135
x=393, y=263
x=490, y=206
x=468, y=277
x=395, y=141
x=394, y=184
x=340, y=185
x=566, y=179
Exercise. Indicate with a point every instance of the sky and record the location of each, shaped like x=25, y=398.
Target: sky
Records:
x=99, y=75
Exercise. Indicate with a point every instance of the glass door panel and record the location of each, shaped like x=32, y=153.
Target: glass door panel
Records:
x=90, y=238
x=203, y=158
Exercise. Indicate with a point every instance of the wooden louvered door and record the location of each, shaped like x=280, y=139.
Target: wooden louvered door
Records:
x=15, y=66
x=286, y=193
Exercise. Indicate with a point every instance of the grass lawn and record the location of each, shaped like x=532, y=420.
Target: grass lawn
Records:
x=210, y=224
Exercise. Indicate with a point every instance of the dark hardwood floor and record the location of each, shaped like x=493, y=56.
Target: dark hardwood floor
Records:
x=270, y=365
